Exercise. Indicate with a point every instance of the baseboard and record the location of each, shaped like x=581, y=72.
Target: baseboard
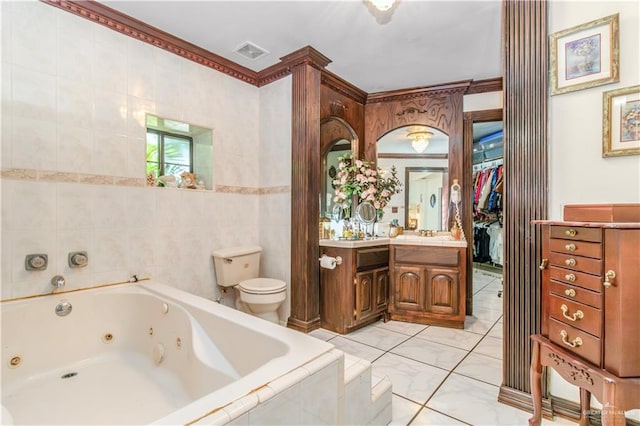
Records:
x=523, y=401
x=303, y=326
x=551, y=407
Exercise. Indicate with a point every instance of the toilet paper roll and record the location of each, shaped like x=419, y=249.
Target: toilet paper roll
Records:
x=328, y=262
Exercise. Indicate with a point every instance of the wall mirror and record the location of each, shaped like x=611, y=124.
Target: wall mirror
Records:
x=420, y=154
x=337, y=138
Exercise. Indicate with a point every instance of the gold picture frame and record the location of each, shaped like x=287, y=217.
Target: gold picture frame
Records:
x=621, y=122
x=585, y=56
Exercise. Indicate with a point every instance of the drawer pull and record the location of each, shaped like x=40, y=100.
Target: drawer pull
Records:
x=576, y=342
x=570, y=232
x=543, y=265
x=570, y=247
x=570, y=277
x=570, y=292
x=610, y=275
x=570, y=262
x=578, y=314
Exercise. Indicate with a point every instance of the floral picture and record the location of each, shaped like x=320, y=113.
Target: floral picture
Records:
x=621, y=122
x=362, y=179
x=630, y=122
x=584, y=56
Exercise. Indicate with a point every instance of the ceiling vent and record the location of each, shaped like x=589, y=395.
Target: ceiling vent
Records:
x=251, y=51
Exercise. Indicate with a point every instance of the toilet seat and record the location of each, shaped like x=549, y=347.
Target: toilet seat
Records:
x=262, y=286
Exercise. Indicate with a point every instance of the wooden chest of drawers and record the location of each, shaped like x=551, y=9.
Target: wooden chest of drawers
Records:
x=591, y=314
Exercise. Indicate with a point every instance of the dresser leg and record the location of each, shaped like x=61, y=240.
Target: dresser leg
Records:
x=585, y=406
x=611, y=414
x=536, y=385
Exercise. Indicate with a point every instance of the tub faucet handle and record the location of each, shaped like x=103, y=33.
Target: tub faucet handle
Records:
x=57, y=281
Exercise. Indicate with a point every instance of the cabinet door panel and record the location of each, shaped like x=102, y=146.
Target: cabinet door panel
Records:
x=381, y=289
x=364, y=290
x=442, y=290
x=409, y=291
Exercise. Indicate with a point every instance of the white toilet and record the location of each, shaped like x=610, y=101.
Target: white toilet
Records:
x=239, y=267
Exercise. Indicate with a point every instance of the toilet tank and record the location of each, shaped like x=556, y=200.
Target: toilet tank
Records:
x=236, y=264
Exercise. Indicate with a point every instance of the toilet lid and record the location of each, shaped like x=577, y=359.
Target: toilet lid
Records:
x=262, y=286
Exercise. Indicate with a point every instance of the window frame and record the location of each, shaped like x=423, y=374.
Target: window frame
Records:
x=161, y=136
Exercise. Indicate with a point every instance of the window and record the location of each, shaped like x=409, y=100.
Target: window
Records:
x=168, y=153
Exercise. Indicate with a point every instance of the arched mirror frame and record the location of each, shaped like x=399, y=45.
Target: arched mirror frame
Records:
x=332, y=130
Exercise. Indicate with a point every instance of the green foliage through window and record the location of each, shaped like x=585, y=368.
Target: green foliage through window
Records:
x=168, y=153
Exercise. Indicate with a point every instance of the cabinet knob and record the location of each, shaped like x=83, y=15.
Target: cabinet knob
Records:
x=570, y=232
x=608, y=277
x=570, y=292
x=573, y=344
x=543, y=265
x=570, y=247
x=570, y=277
x=570, y=262
x=576, y=316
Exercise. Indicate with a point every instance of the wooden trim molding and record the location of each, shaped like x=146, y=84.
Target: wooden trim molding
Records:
x=343, y=87
x=419, y=92
x=117, y=21
x=484, y=86
x=526, y=183
x=306, y=55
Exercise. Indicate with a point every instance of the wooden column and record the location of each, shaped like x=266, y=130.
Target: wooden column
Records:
x=526, y=187
x=305, y=187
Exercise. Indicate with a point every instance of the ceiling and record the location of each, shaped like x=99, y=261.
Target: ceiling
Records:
x=422, y=42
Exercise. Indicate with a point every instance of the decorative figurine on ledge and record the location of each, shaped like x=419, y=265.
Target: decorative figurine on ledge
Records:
x=188, y=180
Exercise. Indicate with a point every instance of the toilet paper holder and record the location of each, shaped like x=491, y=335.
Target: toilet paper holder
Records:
x=338, y=259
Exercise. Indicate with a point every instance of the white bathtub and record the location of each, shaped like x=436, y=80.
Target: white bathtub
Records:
x=138, y=354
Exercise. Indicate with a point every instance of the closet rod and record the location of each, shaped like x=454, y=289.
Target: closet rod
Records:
x=487, y=164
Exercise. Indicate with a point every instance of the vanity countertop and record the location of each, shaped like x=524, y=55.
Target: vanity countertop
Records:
x=410, y=240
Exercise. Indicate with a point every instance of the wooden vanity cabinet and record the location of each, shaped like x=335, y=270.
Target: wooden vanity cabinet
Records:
x=355, y=293
x=428, y=285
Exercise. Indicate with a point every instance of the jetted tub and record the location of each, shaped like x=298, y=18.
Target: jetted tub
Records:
x=137, y=354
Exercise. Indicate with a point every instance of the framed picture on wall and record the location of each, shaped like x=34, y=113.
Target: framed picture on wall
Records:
x=621, y=122
x=585, y=56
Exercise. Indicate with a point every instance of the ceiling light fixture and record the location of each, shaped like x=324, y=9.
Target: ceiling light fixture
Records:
x=382, y=5
x=419, y=140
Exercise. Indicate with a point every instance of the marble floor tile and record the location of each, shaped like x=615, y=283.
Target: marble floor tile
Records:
x=481, y=367
x=477, y=325
x=431, y=353
x=488, y=299
x=408, y=328
x=427, y=416
x=497, y=330
x=322, y=334
x=356, y=349
x=450, y=336
x=489, y=346
x=402, y=410
x=411, y=379
x=475, y=402
x=377, y=337
x=487, y=314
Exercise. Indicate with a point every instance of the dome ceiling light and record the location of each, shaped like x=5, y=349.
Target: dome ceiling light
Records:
x=419, y=140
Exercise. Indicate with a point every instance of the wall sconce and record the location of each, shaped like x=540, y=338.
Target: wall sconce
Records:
x=382, y=5
x=419, y=140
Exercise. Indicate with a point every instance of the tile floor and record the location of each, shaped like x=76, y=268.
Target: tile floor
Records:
x=442, y=376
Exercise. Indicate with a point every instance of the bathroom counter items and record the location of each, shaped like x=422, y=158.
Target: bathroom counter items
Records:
x=413, y=240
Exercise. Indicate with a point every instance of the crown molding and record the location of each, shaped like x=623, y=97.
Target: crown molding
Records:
x=306, y=55
x=483, y=86
x=419, y=92
x=343, y=87
x=117, y=21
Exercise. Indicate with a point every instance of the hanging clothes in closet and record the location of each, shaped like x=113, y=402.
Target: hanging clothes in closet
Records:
x=487, y=215
x=487, y=192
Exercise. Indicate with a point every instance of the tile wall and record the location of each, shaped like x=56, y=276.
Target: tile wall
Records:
x=74, y=98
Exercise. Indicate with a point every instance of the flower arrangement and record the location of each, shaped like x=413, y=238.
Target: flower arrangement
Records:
x=362, y=178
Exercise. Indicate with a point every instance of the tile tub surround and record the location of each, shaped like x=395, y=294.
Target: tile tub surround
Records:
x=73, y=155
x=441, y=376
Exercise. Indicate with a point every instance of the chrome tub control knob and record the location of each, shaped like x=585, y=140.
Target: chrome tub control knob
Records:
x=63, y=308
x=78, y=259
x=58, y=281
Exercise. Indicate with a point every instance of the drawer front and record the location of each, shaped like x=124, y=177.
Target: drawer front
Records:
x=576, y=293
x=576, y=315
x=577, y=263
x=577, y=233
x=591, y=282
x=589, y=347
x=445, y=256
x=370, y=258
x=580, y=248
